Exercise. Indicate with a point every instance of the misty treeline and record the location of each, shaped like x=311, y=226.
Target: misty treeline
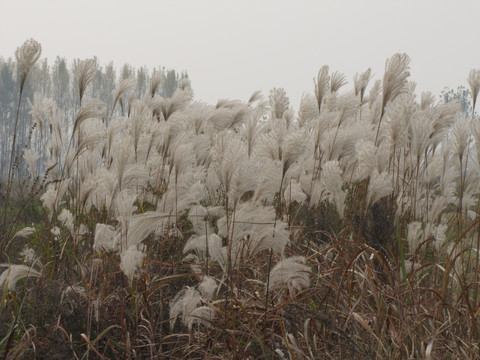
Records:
x=461, y=95
x=58, y=82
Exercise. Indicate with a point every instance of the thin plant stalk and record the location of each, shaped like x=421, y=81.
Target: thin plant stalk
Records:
x=10, y=169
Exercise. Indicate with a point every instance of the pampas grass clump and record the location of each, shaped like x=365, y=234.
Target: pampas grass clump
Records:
x=178, y=229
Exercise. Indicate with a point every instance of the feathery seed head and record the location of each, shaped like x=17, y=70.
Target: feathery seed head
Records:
x=331, y=183
x=474, y=83
x=31, y=158
x=346, y=107
x=66, y=219
x=365, y=154
x=27, y=55
x=155, y=82
x=420, y=129
x=56, y=232
x=292, y=147
x=374, y=93
x=380, y=185
x=106, y=239
x=185, y=85
x=202, y=315
x=252, y=129
x=308, y=110
x=14, y=273
x=51, y=198
x=321, y=85
x=290, y=274
x=184, y=303
x=461, y=135
x=279, y=102
x=131, y=261
x=125, y=85
x=395, y=77
x=207, y=287
x=24, y=232
x=337, y=81
x=28, y=256
x=427, y=100
x=414, y=235
x=85, y=72
x=227, y=155
x=37, y=108
x=332, y=176
x=440, y=235
x=294, y=192
x=256, y=96
x=199, y=245
x=360, y=83
x=94, y=108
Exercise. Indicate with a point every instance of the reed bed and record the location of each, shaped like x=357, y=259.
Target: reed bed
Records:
x=348, y=229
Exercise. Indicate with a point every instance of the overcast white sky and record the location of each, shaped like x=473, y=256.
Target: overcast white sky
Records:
x=232, y=48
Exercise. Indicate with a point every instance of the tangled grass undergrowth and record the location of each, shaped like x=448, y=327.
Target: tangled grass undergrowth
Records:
x=176, y=229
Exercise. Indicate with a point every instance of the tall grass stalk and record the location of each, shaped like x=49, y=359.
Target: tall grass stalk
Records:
x=27, y=55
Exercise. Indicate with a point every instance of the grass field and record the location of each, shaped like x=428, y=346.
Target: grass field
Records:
x=348, y=229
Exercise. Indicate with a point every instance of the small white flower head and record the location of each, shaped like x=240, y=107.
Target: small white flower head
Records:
x=131, y=262
x=56, y=232
x=27, y=55
x=66, y=219
x=82, y=230
x=28, y=256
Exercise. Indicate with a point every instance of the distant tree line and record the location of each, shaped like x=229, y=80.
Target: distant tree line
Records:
x=461, y=95
x=59, y=83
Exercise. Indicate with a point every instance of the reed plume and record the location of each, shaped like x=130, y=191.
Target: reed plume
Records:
x=474, y=83
x=85, y=72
